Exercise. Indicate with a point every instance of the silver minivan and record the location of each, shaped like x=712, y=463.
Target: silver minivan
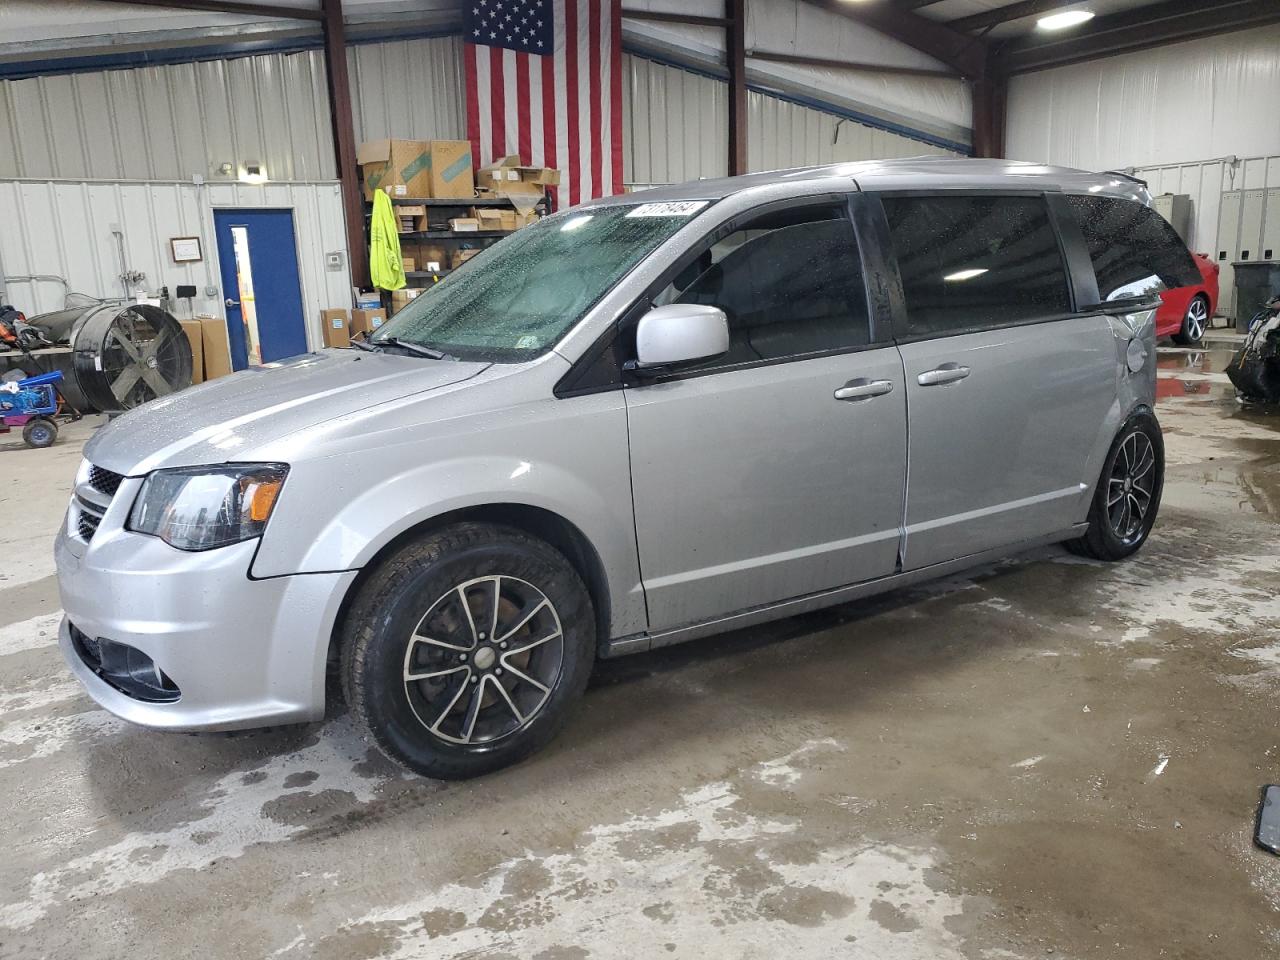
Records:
x=639, y=421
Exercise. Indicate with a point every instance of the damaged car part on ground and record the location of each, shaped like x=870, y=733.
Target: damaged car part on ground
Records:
x=641, y=421
x=1255, y=369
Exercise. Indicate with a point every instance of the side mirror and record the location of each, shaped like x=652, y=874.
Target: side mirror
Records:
x=680, y=333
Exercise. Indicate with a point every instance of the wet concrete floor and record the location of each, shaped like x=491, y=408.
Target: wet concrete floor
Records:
x=1047, y=756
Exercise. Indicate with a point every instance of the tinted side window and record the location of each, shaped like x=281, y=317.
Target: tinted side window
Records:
x=789, y=282
x=973, y=262
x=1133, y=249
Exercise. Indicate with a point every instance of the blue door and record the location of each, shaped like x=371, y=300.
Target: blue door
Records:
x=258, y=254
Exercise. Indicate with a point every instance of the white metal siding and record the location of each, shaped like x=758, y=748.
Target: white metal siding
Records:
x=171, y=122
x=64, y=228
x=676, y=128
x=675, y=124
x=1213, y=97
x=411, y=89
x=782, y=134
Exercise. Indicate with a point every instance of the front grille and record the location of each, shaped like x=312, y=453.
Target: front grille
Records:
x=124, y=668
x=87, y=525
x=104, y=481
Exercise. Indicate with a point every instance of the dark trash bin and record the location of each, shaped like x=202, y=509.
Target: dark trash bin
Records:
x=1257, y=281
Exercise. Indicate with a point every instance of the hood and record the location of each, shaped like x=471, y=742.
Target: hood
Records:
x=226, y=418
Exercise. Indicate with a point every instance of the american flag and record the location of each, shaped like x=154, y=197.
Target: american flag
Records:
x=544, y=80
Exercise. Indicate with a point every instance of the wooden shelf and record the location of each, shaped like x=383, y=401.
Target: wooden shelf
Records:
x=426, y=274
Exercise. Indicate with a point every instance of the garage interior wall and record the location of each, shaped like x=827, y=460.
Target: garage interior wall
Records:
x=64, y=229
x=1184, y=117
x=83, y=153
x=676, y=127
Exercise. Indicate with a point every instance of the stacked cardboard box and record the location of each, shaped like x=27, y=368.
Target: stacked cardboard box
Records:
x=523, y=186
x=418, y=169
x=335, y=328
x=365, y=322
x=402, y=297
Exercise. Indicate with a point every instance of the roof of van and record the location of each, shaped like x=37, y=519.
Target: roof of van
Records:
x=910, y=173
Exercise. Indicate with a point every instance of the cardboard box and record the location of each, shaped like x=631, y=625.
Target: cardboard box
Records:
x=215, y=347
x=403, y=297
x=400, y=167
x=490, y=217
x=431, y=257
x=408, y=265
x=336, y=328
x=195, y=336
x=408, y=216
x=364, y=322
x=450, y=166
x=524, y=219
x=508, y=220
x=464, y=224
x=523, y=186
x=460, y=257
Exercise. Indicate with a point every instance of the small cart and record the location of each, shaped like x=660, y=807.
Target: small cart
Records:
x=33, y=404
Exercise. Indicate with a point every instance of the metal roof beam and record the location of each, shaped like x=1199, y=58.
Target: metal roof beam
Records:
x=230, y=6
x=965, y=54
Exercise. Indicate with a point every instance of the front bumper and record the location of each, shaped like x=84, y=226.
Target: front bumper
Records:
x=242, y=652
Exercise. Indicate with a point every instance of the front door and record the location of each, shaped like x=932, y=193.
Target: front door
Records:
x=1006, y=388
x=776, y=470
x=258, y=255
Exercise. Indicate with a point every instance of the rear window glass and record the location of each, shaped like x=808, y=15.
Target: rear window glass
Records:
x=1134, y=250
x=973, y=262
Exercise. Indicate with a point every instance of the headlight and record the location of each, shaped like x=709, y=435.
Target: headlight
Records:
x=200, y=508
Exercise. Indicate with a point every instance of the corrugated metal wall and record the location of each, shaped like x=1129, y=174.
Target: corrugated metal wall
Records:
x=783, y=134
x=676, y=127
x=675, y=124
x=1212, y=97
x=171, y=122
x=411, y=89
x=63, y=228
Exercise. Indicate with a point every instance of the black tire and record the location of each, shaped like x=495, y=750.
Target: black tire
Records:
x=39, y=433
x=1194, y=322
x=1119, y=529
x=408, y=620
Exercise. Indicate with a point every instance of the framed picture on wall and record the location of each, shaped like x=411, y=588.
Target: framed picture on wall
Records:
x=185, y=249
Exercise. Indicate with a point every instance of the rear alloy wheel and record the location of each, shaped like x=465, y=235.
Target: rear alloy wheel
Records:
x=1127, y=497
x=1194, y=323
x=463, y=652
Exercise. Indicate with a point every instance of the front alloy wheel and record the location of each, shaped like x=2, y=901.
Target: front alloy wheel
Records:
x=463, y=652
x=481, y=663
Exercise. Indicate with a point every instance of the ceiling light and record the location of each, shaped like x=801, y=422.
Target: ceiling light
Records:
x=1060, y=21
x=969, y=274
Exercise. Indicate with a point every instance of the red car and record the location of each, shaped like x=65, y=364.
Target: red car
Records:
x=1185, y=312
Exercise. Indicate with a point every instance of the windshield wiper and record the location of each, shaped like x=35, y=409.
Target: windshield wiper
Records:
x=429, y=352
x=361, y=345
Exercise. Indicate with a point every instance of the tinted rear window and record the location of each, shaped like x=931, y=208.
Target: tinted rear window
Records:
x=972, y=262
x=1134, y=250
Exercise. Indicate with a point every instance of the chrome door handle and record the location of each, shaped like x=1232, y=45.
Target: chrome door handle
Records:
x=947, y=373
x=232, y=303
x=863, y=389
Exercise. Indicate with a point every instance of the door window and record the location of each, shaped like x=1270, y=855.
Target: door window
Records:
x=1134, y=250
x=973, y=262
x=790, y=283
